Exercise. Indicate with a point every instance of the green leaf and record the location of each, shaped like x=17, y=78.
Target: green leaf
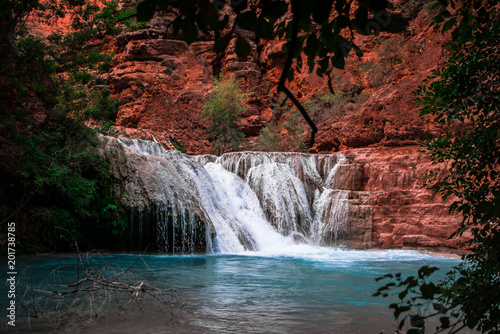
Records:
x=207, y=15
x=402, y=323
x=445, y=322
x=338, y=61
x=361, y=17
x=221, y=43
x=343, y=21
x=426, y=271
x=264, y=29
x=428, y=290
x=401, y=309
x=449, y=24
x=321, y=11
x=189, y=31
x=247, y=20
x=146, y=10
x=176, y=24
x=416, y=321
x=239, y=5
x=397, y=24
x=439, y=307
x=275, y=9
x=243, y=48
x=312, y=45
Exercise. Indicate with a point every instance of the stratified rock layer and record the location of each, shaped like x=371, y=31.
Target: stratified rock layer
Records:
x=393, y=202
x=161, y=84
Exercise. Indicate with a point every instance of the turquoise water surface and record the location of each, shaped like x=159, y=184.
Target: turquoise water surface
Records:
x=314, y=290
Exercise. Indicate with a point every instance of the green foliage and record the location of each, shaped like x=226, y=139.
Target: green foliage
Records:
x=110, y=15
x=411, y=8
x=89, y=20
x=53, y=178
x=419, y=299
x=222, y=112
x=377, y=72
x=464, y=94
x=287, y=135
x=269, y=138
x=102, y=106
x=178, y=145
x=324, y=106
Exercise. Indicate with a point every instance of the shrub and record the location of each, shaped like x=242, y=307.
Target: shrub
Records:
x=390, y=52
x=413, y=7
x=286, y=135
x=222, y=112
x=324, y=106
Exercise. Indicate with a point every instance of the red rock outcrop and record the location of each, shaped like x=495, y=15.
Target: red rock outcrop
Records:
x=394, y=200
x=161, y=84
x=390, y=117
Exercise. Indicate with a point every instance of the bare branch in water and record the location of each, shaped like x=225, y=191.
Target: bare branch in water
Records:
x=99, y=290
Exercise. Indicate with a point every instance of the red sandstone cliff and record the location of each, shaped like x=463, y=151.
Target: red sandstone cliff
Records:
x=393, y=203
x=161, y=84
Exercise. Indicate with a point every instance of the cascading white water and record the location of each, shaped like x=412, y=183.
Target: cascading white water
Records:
x=297, y=192
x=246, y=200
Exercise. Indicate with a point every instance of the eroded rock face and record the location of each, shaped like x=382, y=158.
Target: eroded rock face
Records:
x=390, y=116
x=390, y=189
x=161, y=84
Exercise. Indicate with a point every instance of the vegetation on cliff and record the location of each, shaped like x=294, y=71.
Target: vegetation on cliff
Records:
x=222, y=112
x=465, y=95
x=54, y=182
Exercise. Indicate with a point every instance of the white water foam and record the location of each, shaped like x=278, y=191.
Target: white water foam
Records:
x=250, y=201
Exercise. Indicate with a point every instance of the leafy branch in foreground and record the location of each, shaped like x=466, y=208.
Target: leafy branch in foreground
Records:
x=465, y=95
x=419, y=300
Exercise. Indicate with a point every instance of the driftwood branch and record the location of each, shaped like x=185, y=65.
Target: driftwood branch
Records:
x=100, y=290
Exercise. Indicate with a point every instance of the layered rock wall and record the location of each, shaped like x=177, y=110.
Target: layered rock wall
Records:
x=393, y=202
x=161, y=84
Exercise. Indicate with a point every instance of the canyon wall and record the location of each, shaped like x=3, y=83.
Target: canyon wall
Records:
x=393, y=202
x=161, y=83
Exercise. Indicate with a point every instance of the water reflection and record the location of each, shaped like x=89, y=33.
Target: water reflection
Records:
x=324, y=292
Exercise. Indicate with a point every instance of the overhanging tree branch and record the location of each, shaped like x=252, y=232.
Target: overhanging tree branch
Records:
x=288, y=63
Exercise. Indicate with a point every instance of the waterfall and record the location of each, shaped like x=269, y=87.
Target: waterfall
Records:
x=241, y=201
